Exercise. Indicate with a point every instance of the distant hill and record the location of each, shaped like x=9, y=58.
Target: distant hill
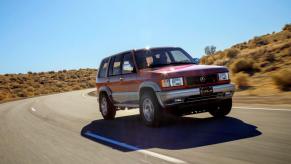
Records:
x=15, y=86
x=260, y=66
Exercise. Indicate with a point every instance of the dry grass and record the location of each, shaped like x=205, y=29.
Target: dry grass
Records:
x=14, y=86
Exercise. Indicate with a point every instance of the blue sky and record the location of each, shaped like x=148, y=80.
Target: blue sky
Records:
x=56, y=34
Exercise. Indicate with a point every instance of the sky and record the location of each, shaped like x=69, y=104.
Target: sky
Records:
x=44, y=35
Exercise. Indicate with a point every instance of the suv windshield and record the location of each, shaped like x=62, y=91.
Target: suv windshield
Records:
x=162, y=57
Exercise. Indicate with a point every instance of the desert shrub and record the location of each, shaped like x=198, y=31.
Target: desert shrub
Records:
x=208, y=60
x=287, y=27
x=76, y=87
x=30, y=89
x=231, y=53
x=203, y=60
x=2, y=96
x=264, y=64
x=221, y=62
x=283, y=79
x=83, y=85
x=284, y=52
x=74, y=76
x=92, y=83
x=14, y=85
x=241, y=80
x=22, y=93
x=260, y=41
x=44, y=91
x=59, y=84
x=36, y=85
x=13, y=79
x=270, y=57
x=244, y=65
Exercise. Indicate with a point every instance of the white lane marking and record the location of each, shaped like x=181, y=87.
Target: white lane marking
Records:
x=83, y=94
x=32, y=109
x=130, y=147
x=271, y=109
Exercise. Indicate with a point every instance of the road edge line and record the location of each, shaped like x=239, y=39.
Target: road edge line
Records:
x=270, y=109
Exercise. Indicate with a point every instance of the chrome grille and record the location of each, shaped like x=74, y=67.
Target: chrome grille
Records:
x=198, y=80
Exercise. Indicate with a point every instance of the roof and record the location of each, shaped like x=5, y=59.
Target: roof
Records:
x=151, y=48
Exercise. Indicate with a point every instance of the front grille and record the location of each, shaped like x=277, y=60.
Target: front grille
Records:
x=198, y=80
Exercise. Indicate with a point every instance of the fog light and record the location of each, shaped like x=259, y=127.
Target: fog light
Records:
x=227, y=93
x=178, y=100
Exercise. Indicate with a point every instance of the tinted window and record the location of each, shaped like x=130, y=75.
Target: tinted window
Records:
x=127, y=66
x=103, y=68
x=115, y=65
x=179, y=56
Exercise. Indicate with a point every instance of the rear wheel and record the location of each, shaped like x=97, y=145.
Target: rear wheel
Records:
x=106, y=107
x=150, y=109
x=221, y=108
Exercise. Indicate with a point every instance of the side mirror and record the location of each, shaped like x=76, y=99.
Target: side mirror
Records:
x=196, y=60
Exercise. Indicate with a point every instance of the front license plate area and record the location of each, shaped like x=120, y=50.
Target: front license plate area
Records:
x=206, y=91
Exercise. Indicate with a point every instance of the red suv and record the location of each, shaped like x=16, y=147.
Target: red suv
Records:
x=162, y=80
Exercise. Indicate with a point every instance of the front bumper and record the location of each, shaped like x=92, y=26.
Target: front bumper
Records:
x=176, y=97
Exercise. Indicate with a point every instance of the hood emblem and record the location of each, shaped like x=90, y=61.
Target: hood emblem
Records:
x=202, y=79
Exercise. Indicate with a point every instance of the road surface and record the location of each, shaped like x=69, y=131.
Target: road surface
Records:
x=68, y=128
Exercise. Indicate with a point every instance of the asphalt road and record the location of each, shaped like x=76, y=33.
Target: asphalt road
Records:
x=68, y=128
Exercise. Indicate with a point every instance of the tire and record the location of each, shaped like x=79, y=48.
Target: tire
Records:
x=221, y=108
x=150, y=110
x=106, y=107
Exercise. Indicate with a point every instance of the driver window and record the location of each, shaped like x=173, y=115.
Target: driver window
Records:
x=179, y=56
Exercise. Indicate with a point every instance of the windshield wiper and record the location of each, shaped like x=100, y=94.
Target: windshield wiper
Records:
x=184, y=62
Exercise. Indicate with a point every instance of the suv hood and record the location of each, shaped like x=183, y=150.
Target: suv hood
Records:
x=189, y=70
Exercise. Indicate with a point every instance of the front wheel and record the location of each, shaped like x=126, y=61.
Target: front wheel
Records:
x=221, y=108
x=107, y=109
x=150, y=109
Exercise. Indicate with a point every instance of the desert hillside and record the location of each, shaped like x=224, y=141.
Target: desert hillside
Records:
x=260, y=66
x=15, y=86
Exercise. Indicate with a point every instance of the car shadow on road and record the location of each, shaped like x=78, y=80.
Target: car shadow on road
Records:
x=181, y=133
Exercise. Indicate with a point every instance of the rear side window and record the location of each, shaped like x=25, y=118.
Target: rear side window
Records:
x=103, y=68
x=115, y=65
x=127, y=66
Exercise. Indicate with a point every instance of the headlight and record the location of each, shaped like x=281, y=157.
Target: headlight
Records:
x=223, y=76
x=172, y=82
